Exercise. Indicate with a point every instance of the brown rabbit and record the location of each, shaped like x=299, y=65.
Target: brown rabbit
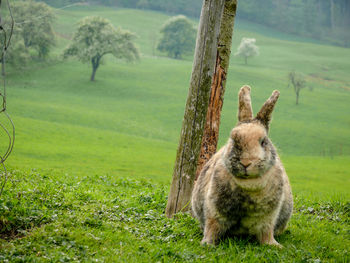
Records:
x=244, y=189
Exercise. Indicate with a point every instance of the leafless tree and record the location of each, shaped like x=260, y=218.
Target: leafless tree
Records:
x=298, y=82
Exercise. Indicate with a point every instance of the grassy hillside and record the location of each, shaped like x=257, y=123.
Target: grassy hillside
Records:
x=320, y=123
x=76, y=138
x=65, y=121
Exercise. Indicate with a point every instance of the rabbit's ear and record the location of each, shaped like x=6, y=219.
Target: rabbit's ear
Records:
x=245, y=112
x=264, y=115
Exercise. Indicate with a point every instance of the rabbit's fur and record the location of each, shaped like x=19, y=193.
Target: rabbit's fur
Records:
x=243, y=188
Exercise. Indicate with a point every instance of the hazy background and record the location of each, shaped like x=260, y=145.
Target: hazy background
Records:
x=326, y=20
x=133, y=111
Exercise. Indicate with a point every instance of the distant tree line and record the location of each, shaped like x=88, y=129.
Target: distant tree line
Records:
x=326, y=20
x=61, y=3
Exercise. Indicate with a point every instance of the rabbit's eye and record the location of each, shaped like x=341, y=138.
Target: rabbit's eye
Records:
x=263, y=142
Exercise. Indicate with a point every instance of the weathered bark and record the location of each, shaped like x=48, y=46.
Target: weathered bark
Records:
x=95, y=61
x=297, y=97
x=94, y=69
x=196, y=107
x=211, y=130
x=331, y=2
x=177, y=55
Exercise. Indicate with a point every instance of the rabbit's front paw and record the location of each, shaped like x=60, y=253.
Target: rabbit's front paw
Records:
x=207, y=242
x=267, y=238
x=212, y=232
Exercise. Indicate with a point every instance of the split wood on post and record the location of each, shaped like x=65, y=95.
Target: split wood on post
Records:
x=211, y=130
x=196, y=105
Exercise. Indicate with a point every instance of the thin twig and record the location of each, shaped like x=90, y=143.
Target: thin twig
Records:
x=6, y=44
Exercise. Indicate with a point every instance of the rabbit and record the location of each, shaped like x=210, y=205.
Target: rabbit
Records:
x=244, y=189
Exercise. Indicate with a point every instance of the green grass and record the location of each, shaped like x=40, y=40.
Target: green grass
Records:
x=103, y=218
x=92, y=162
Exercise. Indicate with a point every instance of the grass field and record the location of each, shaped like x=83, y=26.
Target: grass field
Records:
x=93, y=161
x=104, y=218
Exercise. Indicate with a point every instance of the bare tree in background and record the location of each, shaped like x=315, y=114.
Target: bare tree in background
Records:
x=298, y=82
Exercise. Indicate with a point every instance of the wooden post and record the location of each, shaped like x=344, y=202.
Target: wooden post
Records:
x=196, y=107
x=211, y=131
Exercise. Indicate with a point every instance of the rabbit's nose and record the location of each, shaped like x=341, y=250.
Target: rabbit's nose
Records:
x=246, y=162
